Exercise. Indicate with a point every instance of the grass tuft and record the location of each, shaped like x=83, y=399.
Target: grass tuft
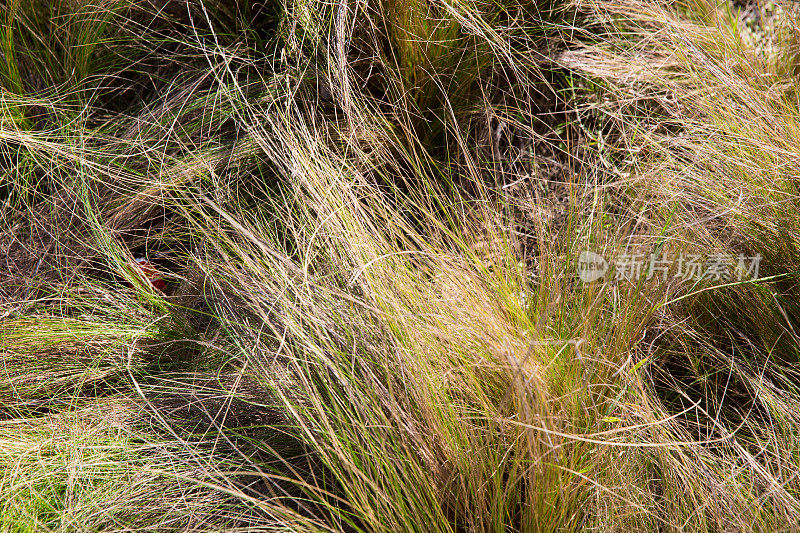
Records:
x=300, y=266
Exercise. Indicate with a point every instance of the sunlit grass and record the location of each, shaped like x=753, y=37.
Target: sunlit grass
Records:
x=368, y=220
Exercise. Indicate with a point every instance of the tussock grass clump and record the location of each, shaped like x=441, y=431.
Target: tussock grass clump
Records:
x=367, y=220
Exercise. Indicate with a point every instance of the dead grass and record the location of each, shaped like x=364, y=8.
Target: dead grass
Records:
x=369, y=217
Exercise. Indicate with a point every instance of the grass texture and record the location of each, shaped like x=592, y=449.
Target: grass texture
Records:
x=368, y=218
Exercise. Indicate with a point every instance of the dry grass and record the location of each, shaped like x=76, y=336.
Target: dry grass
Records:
x=369, y=217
